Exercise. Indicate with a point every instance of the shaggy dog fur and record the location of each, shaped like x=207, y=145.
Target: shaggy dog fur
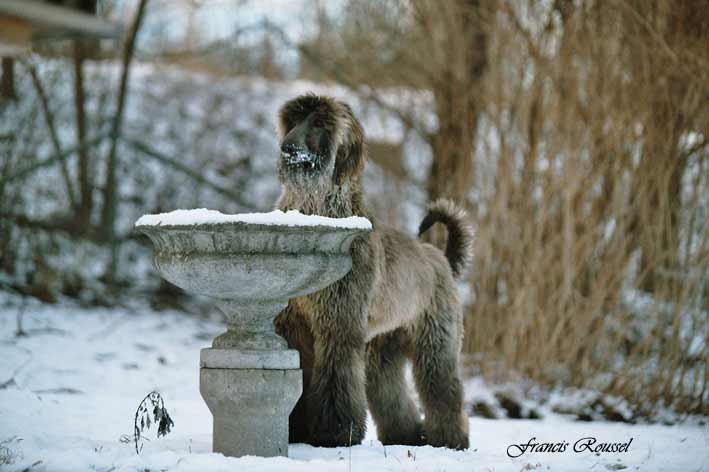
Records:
x=398, y=303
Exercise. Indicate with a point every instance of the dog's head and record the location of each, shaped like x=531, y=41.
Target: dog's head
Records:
x=322, y=143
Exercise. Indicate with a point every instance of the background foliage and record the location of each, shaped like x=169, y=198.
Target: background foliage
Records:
x=575, y=132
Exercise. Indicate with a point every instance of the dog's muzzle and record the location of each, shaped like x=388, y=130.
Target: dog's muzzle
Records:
x=300, y=158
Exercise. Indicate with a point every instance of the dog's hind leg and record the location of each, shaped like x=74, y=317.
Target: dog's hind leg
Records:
x=393, y=410
x=437, y=374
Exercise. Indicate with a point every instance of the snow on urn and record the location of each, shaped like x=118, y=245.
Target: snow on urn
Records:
x=251, y=264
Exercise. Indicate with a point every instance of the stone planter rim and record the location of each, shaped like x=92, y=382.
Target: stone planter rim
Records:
x=147, y=229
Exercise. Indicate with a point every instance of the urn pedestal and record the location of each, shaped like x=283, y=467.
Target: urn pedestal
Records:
x=250, y=408
x=250, y=381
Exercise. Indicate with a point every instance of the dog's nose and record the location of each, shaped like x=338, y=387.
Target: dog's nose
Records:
x=288, y=148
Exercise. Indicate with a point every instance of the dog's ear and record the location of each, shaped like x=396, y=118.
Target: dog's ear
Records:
x=287, y=116
x=352, y=151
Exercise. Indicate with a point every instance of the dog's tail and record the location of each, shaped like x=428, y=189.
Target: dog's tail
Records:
x=459, y=248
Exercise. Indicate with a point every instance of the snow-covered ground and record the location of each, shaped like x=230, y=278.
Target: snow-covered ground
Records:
x=69, y=390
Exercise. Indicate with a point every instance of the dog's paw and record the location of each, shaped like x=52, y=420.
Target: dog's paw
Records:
x=333, y=431
x=450, y=436
x=327, y=439
x=402, y=436
x=297, y=432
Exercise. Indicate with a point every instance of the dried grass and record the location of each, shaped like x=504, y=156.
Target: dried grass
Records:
x=593, y=186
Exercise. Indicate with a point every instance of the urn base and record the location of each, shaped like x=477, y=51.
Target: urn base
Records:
x=250, y=395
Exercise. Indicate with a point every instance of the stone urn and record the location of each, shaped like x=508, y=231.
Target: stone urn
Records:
x=251, y=265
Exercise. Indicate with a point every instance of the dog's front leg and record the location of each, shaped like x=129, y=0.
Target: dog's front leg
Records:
x=293, y=325
x=337, y=400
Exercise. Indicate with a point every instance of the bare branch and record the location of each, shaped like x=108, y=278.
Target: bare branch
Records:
x=51, y=126
x=48, y=161
x=335, y=69
x=110, y=202
x=194, y=174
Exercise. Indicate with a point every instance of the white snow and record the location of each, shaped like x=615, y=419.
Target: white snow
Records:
x=80, y=374
x=202, y=216
x=300, y=157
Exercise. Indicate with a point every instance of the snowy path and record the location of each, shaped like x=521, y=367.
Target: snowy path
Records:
x=79, y=376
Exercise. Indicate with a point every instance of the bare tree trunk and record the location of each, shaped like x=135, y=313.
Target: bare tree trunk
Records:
x=7, y=87
x=110, y=199
x=83, y=216
x=458, y=104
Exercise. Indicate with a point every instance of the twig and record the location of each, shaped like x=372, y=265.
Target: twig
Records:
x=653, y=32
x=23, y=305
x=127, y=438
x=192, y=173
x=53, y=158
x=365, y=92
x=59, y=224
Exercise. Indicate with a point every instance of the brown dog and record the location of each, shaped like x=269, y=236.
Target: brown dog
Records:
x=399, y=301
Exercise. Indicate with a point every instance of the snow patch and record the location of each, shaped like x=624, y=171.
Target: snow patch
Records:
x=299, y=156
x=202, y=216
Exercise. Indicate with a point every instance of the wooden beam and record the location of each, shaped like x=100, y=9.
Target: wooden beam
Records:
x=15, y=35
x=20, y=17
